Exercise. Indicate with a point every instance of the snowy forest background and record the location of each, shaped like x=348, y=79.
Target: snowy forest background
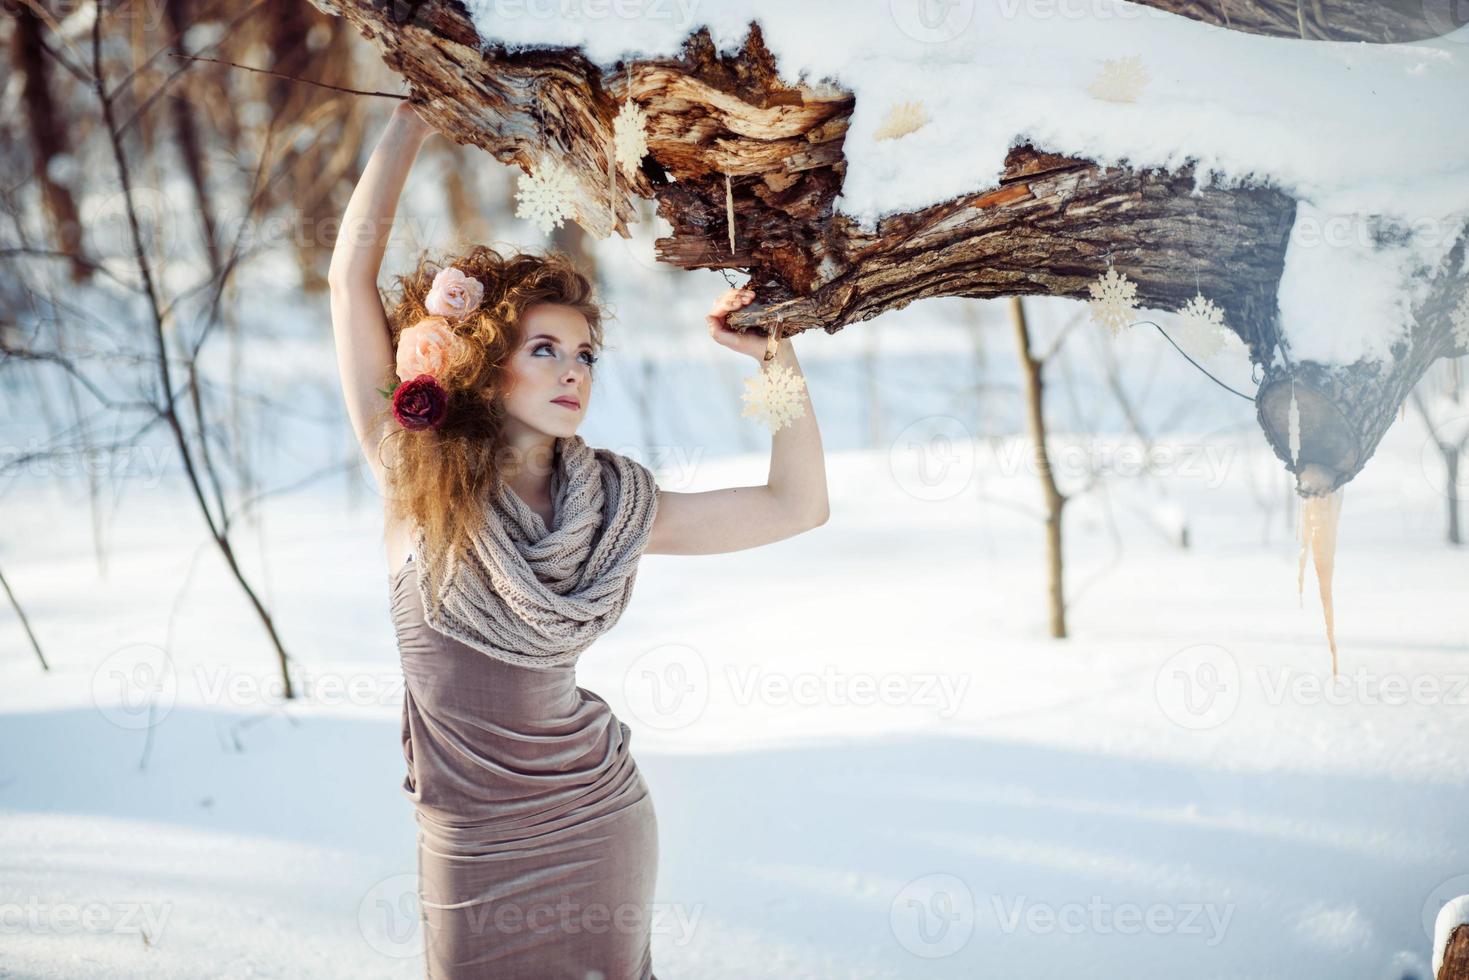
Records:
x=878, y=761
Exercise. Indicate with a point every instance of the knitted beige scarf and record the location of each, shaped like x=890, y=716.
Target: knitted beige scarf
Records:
x=537, y=597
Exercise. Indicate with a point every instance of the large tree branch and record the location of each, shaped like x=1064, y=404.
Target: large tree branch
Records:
x=1051, y=225
x=1374, y=21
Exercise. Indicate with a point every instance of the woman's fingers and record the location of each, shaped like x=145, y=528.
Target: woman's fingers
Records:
x=732, y=299
x=727, y=303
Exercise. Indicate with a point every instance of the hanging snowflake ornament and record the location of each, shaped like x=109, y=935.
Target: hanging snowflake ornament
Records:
x=1460, y=318
x=546, y=196
x=902, y=118
x=1121, y=80
x=776, y=396
x=1114, y=297
x=1201, y=328
x=630, y=137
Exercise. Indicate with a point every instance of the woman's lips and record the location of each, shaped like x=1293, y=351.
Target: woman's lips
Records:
x=570, y=403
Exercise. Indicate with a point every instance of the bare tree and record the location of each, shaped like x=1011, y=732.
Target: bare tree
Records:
x=1445, y=413
x=1031, y=368
x=116, y=84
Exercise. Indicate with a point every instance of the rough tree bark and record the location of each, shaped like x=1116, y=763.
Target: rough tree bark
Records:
x=1377, y=21
x=1348, y=412
x=1050, y=227
x=1456, y=956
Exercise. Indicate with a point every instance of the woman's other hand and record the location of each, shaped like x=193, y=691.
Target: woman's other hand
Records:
x=407, y=113
x=750, y=343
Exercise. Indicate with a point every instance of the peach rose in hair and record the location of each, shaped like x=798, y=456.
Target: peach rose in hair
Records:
x=424, y=348
x=453, y=294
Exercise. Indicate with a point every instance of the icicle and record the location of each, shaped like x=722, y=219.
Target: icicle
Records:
x=1293, y=427
x=729, y=211
x=1320, y=518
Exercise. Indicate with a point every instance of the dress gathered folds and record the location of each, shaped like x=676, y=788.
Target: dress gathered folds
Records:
x=537, y=837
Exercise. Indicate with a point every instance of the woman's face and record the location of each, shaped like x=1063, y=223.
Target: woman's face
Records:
x=551, y=370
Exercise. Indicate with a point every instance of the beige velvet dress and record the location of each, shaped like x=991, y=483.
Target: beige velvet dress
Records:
x=537, y=838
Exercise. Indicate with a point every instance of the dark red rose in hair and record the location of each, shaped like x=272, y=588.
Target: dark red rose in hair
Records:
x=420, y=403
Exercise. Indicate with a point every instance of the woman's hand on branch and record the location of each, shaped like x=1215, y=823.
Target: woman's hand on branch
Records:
x=744, y=342
x=407, y=113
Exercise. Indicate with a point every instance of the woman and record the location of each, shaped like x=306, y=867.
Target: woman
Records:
x=511, y=546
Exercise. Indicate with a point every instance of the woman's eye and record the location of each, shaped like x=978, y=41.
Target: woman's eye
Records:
x=587, y=356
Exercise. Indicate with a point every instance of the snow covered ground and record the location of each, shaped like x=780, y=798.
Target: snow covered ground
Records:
x=866, y=757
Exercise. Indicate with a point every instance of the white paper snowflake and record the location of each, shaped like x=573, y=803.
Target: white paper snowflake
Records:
x=1293, y=428
x=1460, y=317
x=1200, y=331
x=546, y=196
x=630, y=137
x=1121, y=80
x=1114, y=297
x=775, y=396
x=902, y=118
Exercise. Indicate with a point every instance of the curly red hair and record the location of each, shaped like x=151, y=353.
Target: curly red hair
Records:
x=441, y=480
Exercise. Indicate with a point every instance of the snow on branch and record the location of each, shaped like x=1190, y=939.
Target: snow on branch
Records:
x=905, y=176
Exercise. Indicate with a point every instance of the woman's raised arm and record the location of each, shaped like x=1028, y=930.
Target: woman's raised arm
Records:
x=792, y=500
x=359, y=324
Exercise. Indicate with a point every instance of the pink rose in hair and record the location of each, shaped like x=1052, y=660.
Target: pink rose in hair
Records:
x=420, y=403
x=425, y=347
x=453, y=294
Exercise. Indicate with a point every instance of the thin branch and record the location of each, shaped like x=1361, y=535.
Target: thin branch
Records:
x=24, y=623
x=168, y=81
x=45, y=17
x=249, y=503
x=170, y=411
x=19, y=461
x=295, y=78
x=178, y=35
x=51, y=357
